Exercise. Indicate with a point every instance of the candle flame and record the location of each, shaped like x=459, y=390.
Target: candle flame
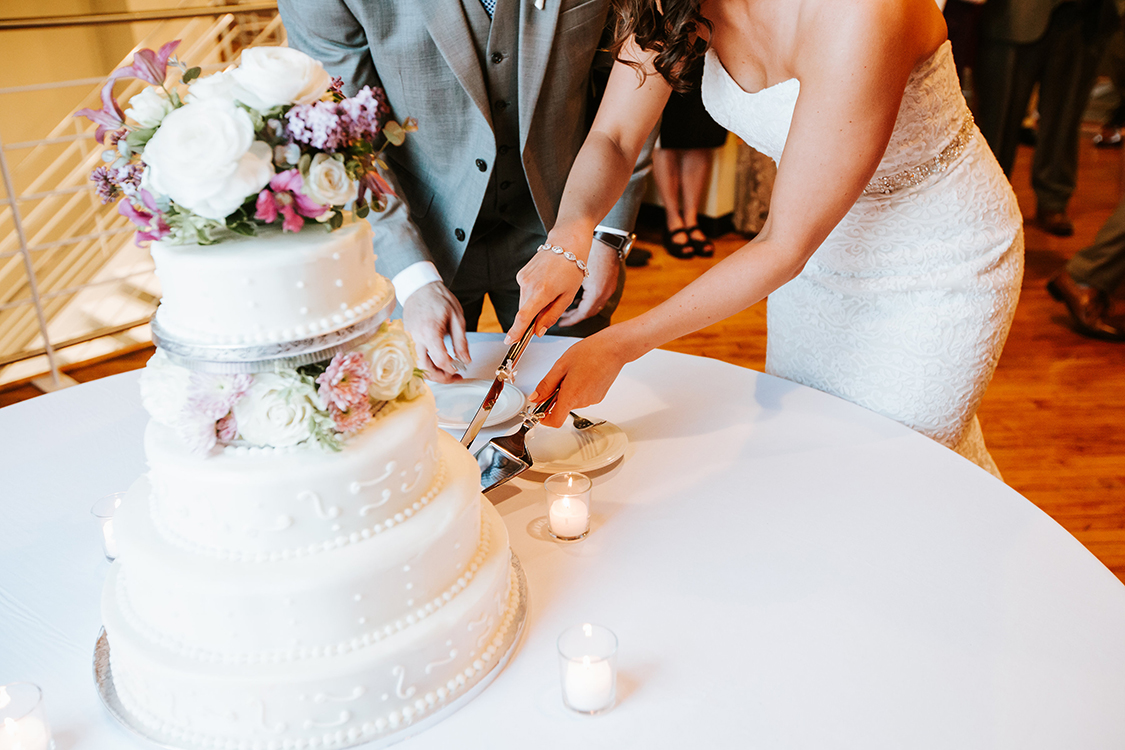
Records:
x=5, y=699
x=10, y=725
x=588, y=629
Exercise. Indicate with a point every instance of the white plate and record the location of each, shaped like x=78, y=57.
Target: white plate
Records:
x=457, y=403
x=568, y=449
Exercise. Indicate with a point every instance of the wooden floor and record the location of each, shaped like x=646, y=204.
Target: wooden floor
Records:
x=1054, y=417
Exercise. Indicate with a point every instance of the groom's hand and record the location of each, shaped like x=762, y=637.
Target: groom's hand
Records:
x=429, y=314
x=604, y=268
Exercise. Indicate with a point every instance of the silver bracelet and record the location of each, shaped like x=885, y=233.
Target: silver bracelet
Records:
x=568, y=255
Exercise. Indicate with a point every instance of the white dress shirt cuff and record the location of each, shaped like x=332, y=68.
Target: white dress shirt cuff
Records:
x=414, y=277
x=611, y=230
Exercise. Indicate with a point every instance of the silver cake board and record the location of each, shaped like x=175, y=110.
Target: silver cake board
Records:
x=103, y=678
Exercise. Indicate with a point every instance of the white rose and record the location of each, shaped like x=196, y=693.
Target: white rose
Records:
x=149, y=107
x=392, y=358
x=328, y=182
x=221, y=86
x=276, y=411
x=164, y=389
x=273, y=76
x=204, y=157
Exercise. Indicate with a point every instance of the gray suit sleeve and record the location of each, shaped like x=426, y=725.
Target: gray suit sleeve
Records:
x=328, y=31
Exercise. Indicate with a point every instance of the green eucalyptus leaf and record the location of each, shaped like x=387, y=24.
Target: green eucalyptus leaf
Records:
x=191, y=74
x=394, y=133
x=361, y=211
x=138, y=138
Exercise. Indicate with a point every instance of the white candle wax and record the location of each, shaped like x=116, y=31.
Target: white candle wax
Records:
x=569, y=517
x=589, y=684
x=28, y=733
x=109, y=538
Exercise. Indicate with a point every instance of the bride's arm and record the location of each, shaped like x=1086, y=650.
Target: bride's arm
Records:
x=629, y=111
x=853, y=63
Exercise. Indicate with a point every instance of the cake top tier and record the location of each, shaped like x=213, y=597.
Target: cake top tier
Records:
x=276, y=287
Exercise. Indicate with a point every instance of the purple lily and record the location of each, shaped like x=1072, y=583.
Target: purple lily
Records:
x=150, y=223
x=108, y=118
x=284, y=197
x=149, y=66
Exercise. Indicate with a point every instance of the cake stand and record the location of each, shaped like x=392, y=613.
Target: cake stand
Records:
x=103, y=677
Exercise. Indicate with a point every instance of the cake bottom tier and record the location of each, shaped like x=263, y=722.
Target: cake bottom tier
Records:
x=326, y=702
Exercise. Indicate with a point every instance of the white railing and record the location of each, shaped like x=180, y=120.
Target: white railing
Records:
x=73, y=286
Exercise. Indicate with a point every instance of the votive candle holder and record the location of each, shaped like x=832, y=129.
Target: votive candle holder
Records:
x=103, y=511
x=23, y=725
x=568, y=505
x=588, y=668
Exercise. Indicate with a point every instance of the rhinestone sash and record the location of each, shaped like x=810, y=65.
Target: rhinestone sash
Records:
x=919, y=174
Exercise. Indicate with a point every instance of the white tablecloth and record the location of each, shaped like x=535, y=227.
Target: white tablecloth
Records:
x=783, y=570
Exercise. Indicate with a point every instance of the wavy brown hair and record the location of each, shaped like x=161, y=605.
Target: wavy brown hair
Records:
x=673, y=35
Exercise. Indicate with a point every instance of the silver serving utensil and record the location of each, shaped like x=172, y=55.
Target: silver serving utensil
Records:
x=505, y=373
x=506, y=457
x=581, y=423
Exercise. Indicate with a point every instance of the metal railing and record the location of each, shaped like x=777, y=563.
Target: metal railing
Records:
x=73, y=286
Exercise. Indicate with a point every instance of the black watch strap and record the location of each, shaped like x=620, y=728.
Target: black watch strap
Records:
x=622, y=243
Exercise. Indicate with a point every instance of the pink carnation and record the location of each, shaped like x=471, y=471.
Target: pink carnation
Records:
x=213, y=396
x=227, y=428
x=284, y=197
x=344, y=384
x=350, y=419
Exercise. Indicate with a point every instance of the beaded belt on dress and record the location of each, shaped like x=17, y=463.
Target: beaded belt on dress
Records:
x=919, y=174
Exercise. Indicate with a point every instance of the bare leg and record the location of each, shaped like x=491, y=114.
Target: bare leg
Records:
x=696, y=172
x=666, y=169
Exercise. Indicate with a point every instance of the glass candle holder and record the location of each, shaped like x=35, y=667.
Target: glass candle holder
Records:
x=568, y=505
x=23, y=725
x=103, y=511
x=588, y=668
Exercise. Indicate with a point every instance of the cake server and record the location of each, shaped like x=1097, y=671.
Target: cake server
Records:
x=504, y=458
x=505, y=373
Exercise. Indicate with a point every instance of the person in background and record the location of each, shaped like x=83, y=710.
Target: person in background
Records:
x=1113, y=65
x=1055, y=45
x=1090, y=279
x=681, y=167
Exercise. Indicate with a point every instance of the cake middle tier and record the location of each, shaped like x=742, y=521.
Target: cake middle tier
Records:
x=266, y=504
x=306, y=606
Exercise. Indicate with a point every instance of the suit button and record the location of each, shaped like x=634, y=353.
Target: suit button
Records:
x=497, y=58
x=505, y=185
x=481, y=165
x=459, y=234
x=501, y=105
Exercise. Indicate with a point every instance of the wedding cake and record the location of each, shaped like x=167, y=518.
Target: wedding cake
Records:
x=308, y=562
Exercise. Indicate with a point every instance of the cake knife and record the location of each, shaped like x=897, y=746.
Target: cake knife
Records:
x=505, y=373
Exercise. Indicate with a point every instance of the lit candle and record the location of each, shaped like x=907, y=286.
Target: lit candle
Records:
x=569, y=517
x=589, y=684
x=28, y=733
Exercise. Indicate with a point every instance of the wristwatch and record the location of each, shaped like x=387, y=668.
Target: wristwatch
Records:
x=622, y=243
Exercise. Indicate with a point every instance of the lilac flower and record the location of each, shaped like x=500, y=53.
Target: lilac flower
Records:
x=151, y=223
x=104, y=184
x=284, y=196
x=344, y=384
x=110, y=182
x=351, y=418
x=365, y=114
x=318, y=124
x=213, y=396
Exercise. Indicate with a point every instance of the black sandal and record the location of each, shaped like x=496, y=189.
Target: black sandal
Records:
x=681, y=250
x=704, y=248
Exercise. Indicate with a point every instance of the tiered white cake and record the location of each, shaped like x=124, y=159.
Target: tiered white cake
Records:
x=317, y=587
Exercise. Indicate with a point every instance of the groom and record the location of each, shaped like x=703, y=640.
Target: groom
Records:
x=501, y=90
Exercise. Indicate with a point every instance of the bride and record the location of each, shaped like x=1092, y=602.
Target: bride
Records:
x=893, y=251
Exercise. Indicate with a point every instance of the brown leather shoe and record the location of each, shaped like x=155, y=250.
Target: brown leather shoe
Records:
x=1055, y=222
x=1088, y=307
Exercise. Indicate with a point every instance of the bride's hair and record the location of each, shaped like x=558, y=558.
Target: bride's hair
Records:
x=670, y=28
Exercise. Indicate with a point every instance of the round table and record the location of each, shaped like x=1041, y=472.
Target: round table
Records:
x=783, y=569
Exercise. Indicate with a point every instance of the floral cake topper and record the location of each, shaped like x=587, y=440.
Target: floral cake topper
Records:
x=271, y=140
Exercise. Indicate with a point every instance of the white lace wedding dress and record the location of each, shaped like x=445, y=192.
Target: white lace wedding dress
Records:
x=905, y=307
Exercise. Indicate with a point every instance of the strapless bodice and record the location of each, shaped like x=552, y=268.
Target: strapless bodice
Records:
x=932, y=114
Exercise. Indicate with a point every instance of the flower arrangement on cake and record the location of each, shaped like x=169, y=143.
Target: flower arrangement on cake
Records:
x=314, y=405
x=273, y=139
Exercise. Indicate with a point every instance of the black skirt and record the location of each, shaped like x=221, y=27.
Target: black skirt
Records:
x=686, y=124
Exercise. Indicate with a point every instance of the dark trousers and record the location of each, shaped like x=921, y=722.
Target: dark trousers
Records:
x=489, y=267
x=1102, y=265
x=1063, y=63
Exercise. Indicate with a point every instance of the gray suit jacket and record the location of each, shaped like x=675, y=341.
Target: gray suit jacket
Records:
x=422, y=53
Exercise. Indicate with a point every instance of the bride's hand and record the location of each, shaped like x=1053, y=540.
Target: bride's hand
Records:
x=548, y=284
x=586, y=372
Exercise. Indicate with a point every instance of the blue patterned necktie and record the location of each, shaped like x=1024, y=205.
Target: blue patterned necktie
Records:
x=489, y=6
